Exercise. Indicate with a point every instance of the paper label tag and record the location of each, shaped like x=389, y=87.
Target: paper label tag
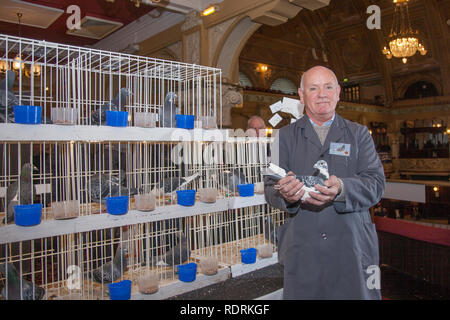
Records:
x=340, y=149
x=276, y=107
x=275, y=120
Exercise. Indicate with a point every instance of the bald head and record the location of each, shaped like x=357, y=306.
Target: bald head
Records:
x=315, y=69
x=319, y=92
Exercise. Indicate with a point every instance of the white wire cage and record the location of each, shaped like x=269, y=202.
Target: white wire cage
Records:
x=78, y=177
x=76, y=168
x=72, y=84
x=80, y=266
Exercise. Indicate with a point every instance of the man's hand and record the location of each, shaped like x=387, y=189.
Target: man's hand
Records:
x=289, y=188
x=326, y=194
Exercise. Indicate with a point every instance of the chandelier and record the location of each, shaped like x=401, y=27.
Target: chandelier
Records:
x=403, y=41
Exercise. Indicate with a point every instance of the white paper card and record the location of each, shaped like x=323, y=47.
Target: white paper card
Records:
x=276, y=106
x=275, y=120
x=293, y=106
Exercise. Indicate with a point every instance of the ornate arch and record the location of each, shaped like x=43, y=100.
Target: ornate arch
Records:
x=404, y=85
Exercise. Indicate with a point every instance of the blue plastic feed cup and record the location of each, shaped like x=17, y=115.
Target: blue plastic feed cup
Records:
x=246, y=190
x=248, y=255
x=185, y=121
x=28, y=114
x=187, y=272
x=117, y=205
x=120, y=290
x=27, y=214
x=186, y=197
x=116, y=118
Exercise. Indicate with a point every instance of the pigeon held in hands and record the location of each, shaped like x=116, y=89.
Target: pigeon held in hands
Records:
x=320, y=176
x=21, y=191
x=113, y=270
x=99, y=116
x=16, y=288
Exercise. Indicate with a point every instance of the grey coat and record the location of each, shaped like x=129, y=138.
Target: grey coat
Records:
x=326, y=251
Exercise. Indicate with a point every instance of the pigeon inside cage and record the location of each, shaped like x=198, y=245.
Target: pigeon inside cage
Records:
x=209, y=265
x=265, y=251
x=208, y=195
x=65, y=209
x=149, y=283
x=145, y=202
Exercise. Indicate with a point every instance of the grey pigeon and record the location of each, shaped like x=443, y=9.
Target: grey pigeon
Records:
x=113, y=270
x=169, y=110
x=177, y=255
x=18, y=289
x=232, y=178
x=25, y=196
x=319, y=177
x=270, y=232
x=103, y=185
x=169, y=185
x=7, y=97
x=99, y=116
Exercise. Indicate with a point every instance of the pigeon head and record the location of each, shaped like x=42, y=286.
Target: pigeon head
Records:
x=121, y=98
x=322, y=166
x=27, y=171
x=170, y=97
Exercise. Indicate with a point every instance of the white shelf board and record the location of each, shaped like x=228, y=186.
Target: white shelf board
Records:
x=52, y=132
x=242, y=268
x=13, y=233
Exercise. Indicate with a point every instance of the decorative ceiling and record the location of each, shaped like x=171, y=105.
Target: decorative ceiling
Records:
x=99, y=18
x=337, y=36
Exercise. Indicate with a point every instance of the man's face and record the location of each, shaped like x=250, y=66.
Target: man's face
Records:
x=259, y=127
x=320, y=94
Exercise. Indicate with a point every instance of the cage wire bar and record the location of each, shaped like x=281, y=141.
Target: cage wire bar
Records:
x=79, y=175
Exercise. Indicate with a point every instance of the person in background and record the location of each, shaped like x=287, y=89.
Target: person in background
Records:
x=256, y=127
x=328, y=244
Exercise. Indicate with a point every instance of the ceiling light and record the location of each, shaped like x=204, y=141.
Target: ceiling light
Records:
x=210, y=10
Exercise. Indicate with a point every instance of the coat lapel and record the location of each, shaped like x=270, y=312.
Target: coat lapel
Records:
x=309, y=132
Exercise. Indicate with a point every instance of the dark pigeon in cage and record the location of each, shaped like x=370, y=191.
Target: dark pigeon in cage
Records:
x=99, y=116
x=17, y=288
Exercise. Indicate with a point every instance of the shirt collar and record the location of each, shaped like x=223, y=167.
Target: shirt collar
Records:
x=326, y=124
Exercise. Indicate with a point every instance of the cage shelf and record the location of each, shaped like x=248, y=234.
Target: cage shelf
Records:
x=49, y=228
x=11, y=132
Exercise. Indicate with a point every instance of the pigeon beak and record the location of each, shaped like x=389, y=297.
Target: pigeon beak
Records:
x=35, y=169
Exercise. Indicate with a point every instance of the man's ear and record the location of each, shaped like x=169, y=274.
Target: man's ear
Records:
x=300, y=94
x=338, y=92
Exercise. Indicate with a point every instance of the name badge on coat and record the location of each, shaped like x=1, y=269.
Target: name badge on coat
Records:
x=340, y=149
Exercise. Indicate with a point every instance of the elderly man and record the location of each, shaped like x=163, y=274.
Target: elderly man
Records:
x=256, y=127
x=328, y=245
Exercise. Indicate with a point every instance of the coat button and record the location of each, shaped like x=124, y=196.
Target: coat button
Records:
x=324, y=236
